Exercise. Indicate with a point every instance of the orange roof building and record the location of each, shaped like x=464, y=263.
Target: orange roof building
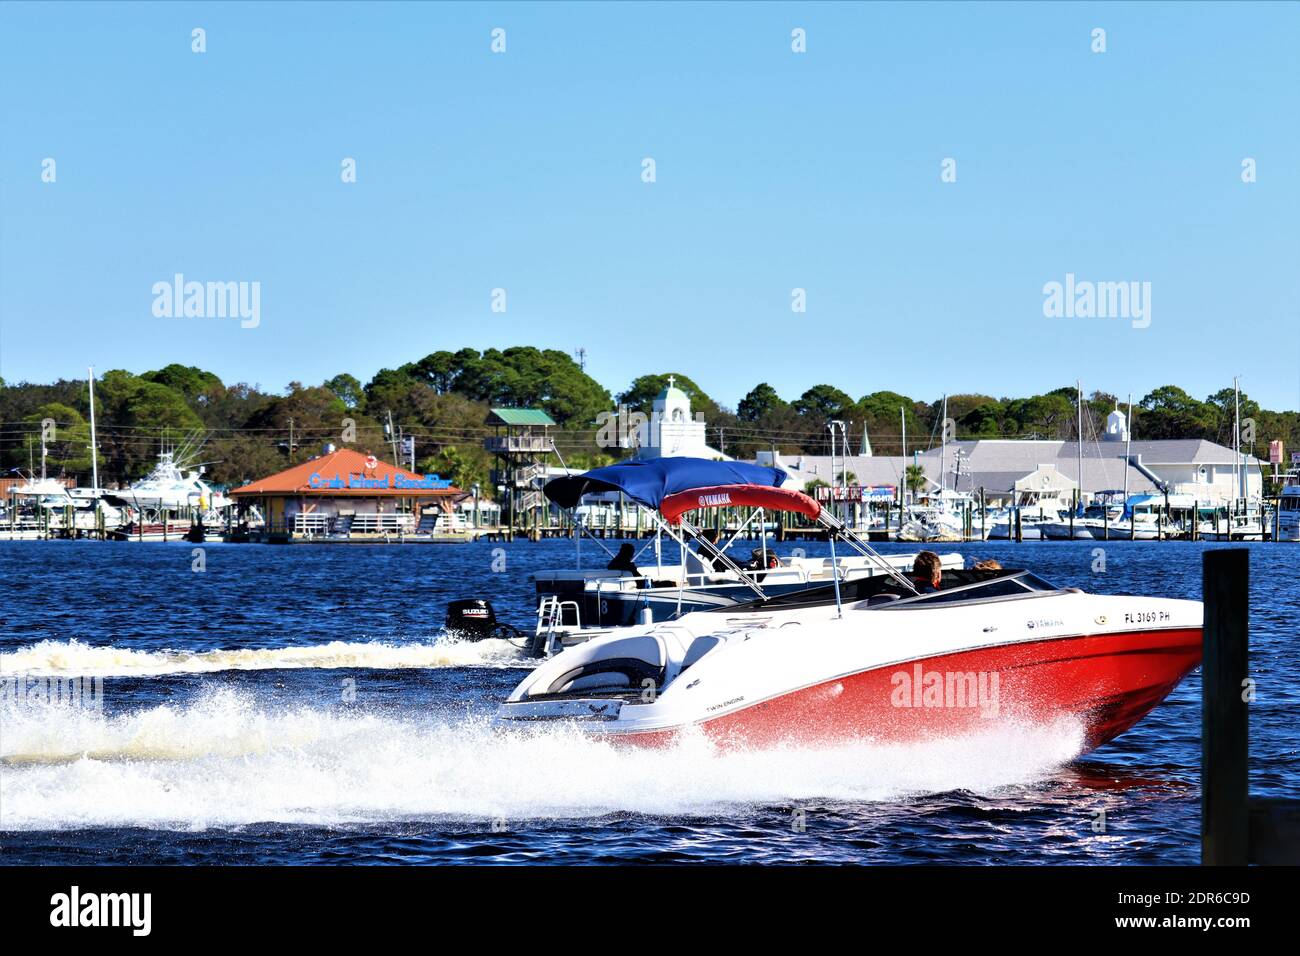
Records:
x=347, y=493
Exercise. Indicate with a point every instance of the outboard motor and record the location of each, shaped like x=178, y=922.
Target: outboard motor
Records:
x=474, y=618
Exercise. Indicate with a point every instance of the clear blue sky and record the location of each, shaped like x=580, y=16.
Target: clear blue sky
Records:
x=775, y=171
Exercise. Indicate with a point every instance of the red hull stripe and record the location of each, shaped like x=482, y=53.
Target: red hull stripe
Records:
x=1108, y=682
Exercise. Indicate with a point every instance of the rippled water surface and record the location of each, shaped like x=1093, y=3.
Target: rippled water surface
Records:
x=301, y=704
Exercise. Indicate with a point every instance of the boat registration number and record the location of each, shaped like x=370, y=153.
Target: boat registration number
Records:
x=1146, y=617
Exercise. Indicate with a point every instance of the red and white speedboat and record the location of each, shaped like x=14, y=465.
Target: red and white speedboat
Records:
x=871, y=659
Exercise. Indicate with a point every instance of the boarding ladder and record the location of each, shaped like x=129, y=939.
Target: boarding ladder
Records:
x=550, y=615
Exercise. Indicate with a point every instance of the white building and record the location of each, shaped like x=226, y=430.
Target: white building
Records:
x=673, y=432
x=1203, y=470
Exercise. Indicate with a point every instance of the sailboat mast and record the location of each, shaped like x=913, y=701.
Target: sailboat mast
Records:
x=1079, y=408
x=94, y=449
x=902, y=493
x=943, y=448
x=1128, y=446
x=1236, y=437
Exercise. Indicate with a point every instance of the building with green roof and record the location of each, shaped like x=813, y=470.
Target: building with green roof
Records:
x=521, y=446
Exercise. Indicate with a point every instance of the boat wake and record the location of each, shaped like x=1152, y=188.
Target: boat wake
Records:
x=73, y=658
x=226, y=759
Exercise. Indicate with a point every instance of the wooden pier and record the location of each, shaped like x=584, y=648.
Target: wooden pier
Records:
x=1236, y=829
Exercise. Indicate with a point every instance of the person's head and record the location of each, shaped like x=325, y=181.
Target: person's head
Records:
x=988, y=564
x=710, y=535
x=625, y=552
x=928, y=568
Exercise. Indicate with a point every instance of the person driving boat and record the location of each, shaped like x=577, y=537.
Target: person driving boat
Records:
x=705, y=559
x=624, y=561
x=927, y=573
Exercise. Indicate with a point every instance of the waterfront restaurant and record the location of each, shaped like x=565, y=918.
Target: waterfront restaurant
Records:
x=348, y=494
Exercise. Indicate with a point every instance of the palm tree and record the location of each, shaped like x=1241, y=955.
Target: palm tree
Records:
x=914, y=478
x=456, y=464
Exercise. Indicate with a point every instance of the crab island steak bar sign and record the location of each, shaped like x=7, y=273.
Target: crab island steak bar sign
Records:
x=394, y=480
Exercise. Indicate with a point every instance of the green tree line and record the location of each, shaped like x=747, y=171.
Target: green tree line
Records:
x=442, y=401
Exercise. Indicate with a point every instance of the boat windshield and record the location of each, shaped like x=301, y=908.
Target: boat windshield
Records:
x=882, y=591
x=1007, y=584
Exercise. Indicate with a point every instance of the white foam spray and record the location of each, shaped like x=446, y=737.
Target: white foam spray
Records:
x=226, y=759
x=64, y=658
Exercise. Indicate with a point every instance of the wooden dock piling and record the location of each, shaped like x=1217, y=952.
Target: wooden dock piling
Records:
x=1236, y=830
x=1225, y=836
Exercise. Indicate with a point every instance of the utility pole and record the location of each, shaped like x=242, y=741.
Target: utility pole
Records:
x=291, y=441
x=832, y=425
x=392, y=436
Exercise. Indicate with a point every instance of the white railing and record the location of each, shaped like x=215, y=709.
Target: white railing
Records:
x=313, y=523
x=517, y=443
x=383, y=524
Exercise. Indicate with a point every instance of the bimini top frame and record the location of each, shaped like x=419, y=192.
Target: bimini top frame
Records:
x=670, y=487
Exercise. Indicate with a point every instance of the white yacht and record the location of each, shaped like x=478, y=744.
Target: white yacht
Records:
x=1034, y=513
x=169, y=487
x=1288, y=509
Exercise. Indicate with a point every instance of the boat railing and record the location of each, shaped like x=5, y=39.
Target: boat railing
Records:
x=550, y=615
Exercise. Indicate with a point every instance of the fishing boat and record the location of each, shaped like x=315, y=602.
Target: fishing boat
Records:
x=1250, y=523
x=872, y=659
x=1104, y=518
x=172, y=485
x=1034, y=513
x=1288, y=509
x=576, y=605
x=48, y=493
x=940, y=517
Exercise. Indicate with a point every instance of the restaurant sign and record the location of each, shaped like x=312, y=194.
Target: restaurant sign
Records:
x=859, y=493
x=394, y=481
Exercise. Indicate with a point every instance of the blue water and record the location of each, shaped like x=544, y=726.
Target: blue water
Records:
x=301, y=705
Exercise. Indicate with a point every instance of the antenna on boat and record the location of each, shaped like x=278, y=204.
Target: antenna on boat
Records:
x=1078, y=384
x=1128, y=448
x=94, y=449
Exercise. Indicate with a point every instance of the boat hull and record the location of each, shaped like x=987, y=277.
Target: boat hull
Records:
x=1106, y=683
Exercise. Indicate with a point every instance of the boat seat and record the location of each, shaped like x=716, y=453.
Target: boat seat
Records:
x=613, y=673
x=876, y=599
x=627, y=664
x=699, y=647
